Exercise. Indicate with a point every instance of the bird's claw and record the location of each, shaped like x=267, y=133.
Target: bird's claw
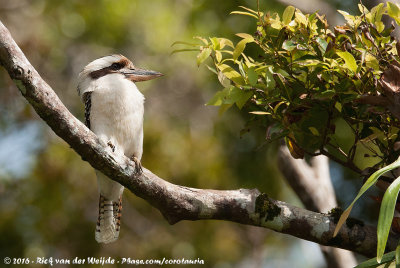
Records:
x=112, y=146
x=138, y=165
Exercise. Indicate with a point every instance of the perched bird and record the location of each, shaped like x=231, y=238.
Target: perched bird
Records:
x=114, y=110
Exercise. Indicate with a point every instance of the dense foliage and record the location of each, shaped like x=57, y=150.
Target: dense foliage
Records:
x=310, y=82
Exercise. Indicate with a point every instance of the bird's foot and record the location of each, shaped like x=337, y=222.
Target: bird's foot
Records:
x=112, y=146
x=138, y=165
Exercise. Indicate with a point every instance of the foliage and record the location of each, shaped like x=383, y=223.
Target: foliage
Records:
x=387, y=258
x=387, y=208
x=307, y=80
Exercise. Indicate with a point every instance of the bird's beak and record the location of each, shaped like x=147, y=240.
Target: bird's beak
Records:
x=138, y=75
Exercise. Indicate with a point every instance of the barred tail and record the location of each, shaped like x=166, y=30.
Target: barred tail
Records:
x=109, y=220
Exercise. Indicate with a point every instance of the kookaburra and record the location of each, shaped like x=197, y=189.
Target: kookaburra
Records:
x=114, y=110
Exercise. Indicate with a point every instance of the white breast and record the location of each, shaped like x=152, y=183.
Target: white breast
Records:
x=117, y=114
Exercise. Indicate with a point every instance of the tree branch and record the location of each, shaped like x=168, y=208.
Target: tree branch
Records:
x=304, y=180
x=177, y=202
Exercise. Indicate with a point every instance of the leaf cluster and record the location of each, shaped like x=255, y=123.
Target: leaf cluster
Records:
x=308, y=79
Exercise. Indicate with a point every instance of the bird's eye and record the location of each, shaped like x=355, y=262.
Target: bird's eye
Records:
x=116, y=66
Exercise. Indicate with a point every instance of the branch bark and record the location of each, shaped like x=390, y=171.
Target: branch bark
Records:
x=246, y=206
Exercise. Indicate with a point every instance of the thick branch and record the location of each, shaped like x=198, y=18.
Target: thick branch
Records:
x=176, y=202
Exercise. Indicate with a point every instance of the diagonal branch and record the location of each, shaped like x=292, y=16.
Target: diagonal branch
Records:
x=246, y=206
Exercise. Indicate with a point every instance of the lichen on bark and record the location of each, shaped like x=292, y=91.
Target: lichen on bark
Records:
x=266, y=208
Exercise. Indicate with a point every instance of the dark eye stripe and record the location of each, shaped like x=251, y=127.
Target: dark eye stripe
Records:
x=100, y=73
x=108, y=70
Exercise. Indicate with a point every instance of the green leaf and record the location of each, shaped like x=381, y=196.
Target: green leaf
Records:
x=225, y=42
x=377, y=12
x=183, y=50
x=241, y=69
x=289, y=45
x=225, y=82
x=371, y=62
x=394, y=11
x=314, y=131
x=338, y=106
x=218, y=56
x=244, y=13
x=380, y=26
x=397, y=255
x=239, y=96
x=363, y=9
x=203, y=55
x=269, y=79
x=322, y=44
x=245, y=36
x=371, y=181
x=212, y=69
x=184, y=43
x=351, y=20
x=371, y=263
x=240, y=47
x=223, y=108
x=324, y=95
x=252, y=76
x=259, y=113
x=288, y=15
x=215, y=42
x=349, y=60
x=277, y=106
x=202, y=39
x=301, y=18
x=229, y=96
x=386, y=216
x=250, y=10
x=217, y=99
x=231, y=74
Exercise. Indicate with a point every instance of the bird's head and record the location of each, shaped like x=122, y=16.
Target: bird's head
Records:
x=112, y=65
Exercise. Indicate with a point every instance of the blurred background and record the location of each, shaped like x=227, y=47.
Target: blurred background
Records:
x=48, y=195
